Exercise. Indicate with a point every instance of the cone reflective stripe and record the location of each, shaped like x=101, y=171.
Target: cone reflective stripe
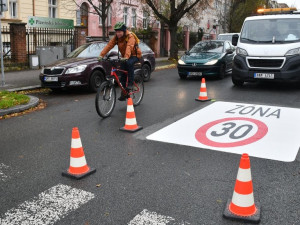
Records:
x=78, y=166
x=242, y=205
x=130, y=122
x=203, y=92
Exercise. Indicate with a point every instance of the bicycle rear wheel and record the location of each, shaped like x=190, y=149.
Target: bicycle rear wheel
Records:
x=138, y=96
x=105, y=99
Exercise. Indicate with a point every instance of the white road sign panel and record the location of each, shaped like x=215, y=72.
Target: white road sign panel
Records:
x=262, y=131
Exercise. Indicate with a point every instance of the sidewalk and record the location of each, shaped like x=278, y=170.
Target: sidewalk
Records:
x=29, y=79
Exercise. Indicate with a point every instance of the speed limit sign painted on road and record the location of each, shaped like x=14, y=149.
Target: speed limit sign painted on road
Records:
x=263, y=131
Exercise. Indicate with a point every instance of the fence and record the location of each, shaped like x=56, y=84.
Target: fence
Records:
x=36, y=37
x=6, y=43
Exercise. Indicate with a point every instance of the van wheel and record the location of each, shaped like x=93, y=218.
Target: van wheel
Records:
x=222, y=71
x=236, y=82
x=95, y=80
x=146, y=72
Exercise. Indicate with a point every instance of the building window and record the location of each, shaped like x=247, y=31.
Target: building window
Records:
x=216, y=4
x=13, y=8
x=133, y=18
x=52, y=8
x=145, y=19
x=125, y=15
x=108, y=18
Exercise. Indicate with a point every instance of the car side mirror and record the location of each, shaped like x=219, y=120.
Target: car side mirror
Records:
x=111, y=54
x=235, y=39
x=229, y=51
x=187, y=53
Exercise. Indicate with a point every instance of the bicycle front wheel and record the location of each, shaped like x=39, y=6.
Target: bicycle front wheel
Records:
x=105, y=99
x=137, y=97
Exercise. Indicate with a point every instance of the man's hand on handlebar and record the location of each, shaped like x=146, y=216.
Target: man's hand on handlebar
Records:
x=123, y=59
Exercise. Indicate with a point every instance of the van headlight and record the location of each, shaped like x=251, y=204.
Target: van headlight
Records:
x=212, y=62
x=181, y=62
x=295, y=51
x=241, y=51
x=42, y=70
x=76, y=69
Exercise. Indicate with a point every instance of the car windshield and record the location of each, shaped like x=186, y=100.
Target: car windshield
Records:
x=271, y=31
x=87, y=51
x=208, y=47
x=225, y=37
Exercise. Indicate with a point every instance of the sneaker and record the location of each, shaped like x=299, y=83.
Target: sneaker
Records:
x=122, y=97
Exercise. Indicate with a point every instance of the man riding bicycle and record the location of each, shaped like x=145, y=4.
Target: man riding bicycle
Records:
x=128, y=46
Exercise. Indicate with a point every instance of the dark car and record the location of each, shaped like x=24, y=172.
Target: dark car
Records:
x=81, y=67
x=207, y=58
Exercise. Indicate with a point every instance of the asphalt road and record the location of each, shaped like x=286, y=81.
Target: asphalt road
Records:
x=176, y=183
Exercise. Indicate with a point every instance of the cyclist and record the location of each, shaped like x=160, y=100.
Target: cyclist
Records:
x=128, y=46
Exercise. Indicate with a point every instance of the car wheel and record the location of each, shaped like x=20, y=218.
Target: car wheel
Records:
x=236, y=82
x=146, y=72
x=222, y=71
x=95, y=80
x=182, y=76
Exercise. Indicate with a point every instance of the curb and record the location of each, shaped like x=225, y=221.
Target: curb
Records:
x=24, y=88
x=171, y=66
x=34, y=101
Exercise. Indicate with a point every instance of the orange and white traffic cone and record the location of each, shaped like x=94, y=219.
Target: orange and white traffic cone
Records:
x=242, y=206
x=130, y=122
x=78, y=166
x=203, y=93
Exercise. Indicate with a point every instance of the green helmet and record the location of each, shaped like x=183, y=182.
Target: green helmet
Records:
x=120, y=26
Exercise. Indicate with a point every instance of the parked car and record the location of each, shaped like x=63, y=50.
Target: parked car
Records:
x=226, y=36
x=207, y=58
x=81, y=67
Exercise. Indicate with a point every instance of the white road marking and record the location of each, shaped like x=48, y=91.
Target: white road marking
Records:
x=150, y=218
x=262, y=131
x=49, y=207
x=3, y=168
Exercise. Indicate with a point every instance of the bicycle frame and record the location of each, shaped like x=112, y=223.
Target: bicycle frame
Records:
x=113, y=73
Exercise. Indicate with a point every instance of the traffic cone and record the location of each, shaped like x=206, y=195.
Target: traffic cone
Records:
x=78, y=167
x=203, y=93
x=242, y=206
x=130, y=122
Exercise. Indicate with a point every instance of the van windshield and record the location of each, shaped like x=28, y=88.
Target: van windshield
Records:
x=271, y=31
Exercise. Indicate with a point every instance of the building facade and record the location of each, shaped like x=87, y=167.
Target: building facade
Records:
x=19, y=10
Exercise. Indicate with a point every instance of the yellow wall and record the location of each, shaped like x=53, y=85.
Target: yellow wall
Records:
x=65, y=10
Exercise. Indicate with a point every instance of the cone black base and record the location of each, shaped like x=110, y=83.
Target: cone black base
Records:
x=250, y=219
x=131, y=131
x=202, y=100
x=79, y=176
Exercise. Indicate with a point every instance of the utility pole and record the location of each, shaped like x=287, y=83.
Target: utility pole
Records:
x=3, y=6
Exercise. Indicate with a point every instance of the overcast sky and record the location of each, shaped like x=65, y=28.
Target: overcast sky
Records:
x=290, y=3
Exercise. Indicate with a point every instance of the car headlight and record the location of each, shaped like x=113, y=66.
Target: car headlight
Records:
x=295, y=51
x=181, y=62
x=212, y=62
x=241, y=51
x=76, y=69
x=42, y=70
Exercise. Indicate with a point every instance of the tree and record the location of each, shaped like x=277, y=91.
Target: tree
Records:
x=240, y=9
x=170, y=12
x=101, y=8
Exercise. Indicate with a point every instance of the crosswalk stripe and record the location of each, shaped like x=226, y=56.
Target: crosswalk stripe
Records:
x=150, y=218
x=49, y=207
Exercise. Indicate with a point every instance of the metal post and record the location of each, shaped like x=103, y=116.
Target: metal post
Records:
x=1, y=52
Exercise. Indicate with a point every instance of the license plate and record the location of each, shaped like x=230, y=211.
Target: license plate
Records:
x=50, y=79
x=264, y=75
x=195, y=73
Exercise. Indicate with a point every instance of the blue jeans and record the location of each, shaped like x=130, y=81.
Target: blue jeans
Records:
x=128, y=66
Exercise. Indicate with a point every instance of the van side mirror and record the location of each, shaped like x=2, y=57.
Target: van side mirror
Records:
x=235, y=39
x=229, y=51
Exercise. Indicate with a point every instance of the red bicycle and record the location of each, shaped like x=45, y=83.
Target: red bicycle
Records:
x=106, y=94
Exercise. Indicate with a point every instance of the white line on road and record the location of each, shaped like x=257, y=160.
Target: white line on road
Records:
x=150, y=218
x=3, y=168
x=49, y=207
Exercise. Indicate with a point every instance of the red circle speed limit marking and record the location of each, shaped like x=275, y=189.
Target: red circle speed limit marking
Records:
x=237, y=131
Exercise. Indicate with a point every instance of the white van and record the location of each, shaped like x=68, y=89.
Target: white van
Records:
x=268, y=48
